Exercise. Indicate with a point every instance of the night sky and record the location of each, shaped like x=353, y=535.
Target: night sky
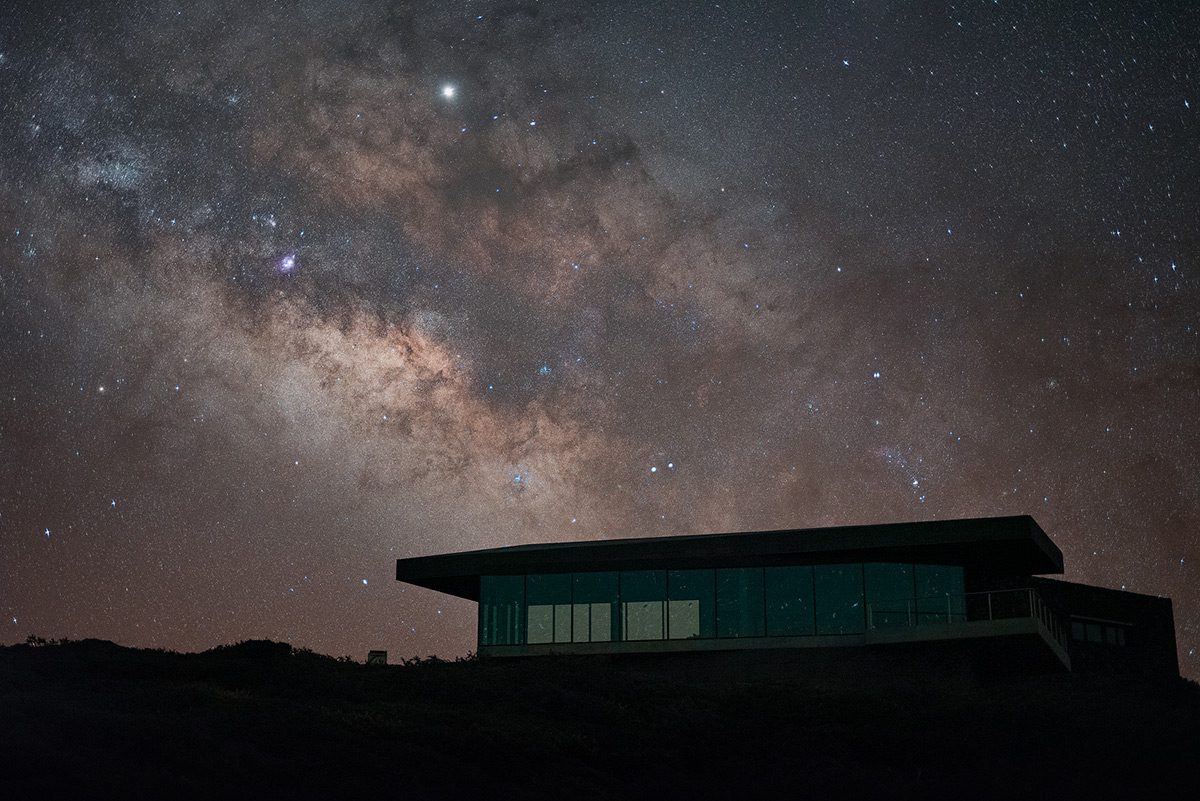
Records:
x=289, y=292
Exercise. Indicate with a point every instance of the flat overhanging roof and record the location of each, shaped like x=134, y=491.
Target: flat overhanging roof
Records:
x=999, y=545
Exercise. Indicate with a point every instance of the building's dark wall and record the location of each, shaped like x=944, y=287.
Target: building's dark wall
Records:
x=1147, y=624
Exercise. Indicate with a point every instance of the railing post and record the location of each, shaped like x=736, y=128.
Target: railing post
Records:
x=989, y=595
x=948, y=618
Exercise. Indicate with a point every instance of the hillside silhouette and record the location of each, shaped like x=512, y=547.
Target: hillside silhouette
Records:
x=259, y=718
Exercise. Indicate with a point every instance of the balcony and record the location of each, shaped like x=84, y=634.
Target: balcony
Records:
x=997, y=613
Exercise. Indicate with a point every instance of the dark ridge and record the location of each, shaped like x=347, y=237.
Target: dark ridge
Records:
x=263, y=719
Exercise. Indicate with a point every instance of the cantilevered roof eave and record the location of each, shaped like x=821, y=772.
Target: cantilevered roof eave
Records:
x=1005, y=545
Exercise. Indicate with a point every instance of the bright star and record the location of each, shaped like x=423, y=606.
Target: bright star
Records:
x=449, y=90
x=364, y=582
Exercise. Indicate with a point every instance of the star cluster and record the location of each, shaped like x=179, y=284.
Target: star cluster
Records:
x=290, y=291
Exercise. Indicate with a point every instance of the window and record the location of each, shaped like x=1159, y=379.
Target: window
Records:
x=690, y=604
x=643, y=603
x=940, y=594
x=1103, y=633
x=789, y=601
x=501, y=608
x=595, y=606
x=839, y=592
x=889, y=594
x=740, y=607
x=548, y=611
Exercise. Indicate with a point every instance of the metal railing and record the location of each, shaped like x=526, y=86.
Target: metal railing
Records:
x=968, y=607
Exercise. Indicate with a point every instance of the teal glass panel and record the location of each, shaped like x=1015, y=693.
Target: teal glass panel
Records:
x=940, y=594
x=595, y=608
x=839, y=591
x=740, y=603
x=501, y=610
x=643, y=604
x=890, y=595
x=548, y=608
x=789, y=593
x=691, y=609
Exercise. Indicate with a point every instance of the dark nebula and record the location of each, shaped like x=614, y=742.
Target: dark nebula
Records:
x=290, y=291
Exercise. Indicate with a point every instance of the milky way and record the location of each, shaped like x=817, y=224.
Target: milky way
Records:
x=289, y=292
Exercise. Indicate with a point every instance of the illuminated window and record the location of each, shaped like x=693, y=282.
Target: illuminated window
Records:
x=643, y=604
x=690, y=605
x=548, y=610
x=595, y=602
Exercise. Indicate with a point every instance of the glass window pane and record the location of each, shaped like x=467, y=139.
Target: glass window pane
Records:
x=643, y=604
x=1093, y=632
x=595, y=598
x=740, y=607
x=501, y=610
x=889, y=594
x=549, y=607
x=581, y=626
x=839, y=599
x=602, y=622
x=643, y=620
x=541, y=623
x=1077, y=630
x=789, y=601
x=1110, y=635
x=940, y=595
x=690, y=606
x=562, y=622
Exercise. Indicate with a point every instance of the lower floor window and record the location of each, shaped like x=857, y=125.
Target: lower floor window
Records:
x=1096, y=632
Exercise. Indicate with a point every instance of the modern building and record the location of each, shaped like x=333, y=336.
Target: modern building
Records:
x=979, y=580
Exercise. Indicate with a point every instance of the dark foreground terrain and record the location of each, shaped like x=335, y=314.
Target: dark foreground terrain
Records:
x=94, y=719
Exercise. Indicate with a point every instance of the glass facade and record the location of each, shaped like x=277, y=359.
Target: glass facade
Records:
x=740, y=602
x=595, y=617
x=501, y=610
x=940, y=594
x=790, y=601
x=690, y=605
x=840, y=606
x=785, y=601
x=548, y=608
x=643, y=604
x=891, y=593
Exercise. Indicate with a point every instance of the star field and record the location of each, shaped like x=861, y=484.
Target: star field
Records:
x=290, y=291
